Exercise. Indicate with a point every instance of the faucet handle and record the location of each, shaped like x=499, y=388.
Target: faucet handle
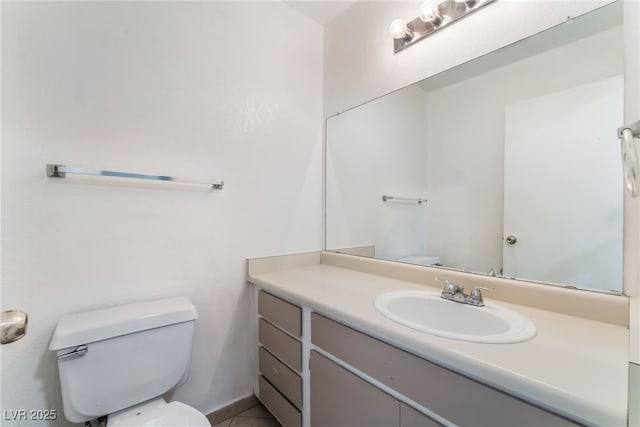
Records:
x=475, y=297
x=449, y=287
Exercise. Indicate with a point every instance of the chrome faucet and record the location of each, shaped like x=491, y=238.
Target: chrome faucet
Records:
x=453, y=292
x=495, y=272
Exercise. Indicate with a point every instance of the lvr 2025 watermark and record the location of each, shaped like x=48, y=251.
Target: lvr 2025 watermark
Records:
x=29, y=414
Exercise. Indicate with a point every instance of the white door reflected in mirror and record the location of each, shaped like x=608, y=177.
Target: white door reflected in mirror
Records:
x=563, y=197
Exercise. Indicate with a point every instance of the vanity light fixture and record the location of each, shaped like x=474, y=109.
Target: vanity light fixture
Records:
x=433, y=15
x=399, y=30
x=429, y=13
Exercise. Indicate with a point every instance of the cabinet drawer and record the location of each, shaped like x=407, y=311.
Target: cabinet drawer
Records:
x=409, y=417
x=455, y=397
x=282, y=378
x=281, y=313
x=280, y=407
x=341, y=399
x=288, y=349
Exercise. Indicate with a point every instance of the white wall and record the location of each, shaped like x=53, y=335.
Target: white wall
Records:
x=374, y=150
x=194, y=89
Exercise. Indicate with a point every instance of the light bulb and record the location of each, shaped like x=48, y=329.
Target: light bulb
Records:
x=429, y=12
x=398, y=29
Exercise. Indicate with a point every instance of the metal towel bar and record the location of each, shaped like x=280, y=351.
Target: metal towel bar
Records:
x=60, y=171
x=420, y=201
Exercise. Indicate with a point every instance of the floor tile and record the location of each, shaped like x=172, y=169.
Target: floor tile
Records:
x=253, y=422
x=257, y=416
x=225, y=423
x=258, y=411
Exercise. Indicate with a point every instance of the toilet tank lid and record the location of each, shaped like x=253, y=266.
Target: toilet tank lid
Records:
x=96, y=325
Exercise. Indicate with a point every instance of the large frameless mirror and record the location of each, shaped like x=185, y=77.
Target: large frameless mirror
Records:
x=507, y=165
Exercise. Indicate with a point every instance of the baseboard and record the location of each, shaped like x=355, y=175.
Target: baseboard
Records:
x=232, y=409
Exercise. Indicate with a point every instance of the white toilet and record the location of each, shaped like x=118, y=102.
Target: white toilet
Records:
x=119, y=361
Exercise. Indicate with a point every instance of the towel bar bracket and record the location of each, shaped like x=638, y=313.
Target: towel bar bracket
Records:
x=634, y=128
x=54, y=172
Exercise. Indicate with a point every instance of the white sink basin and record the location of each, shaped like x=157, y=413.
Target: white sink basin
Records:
x=425, y=311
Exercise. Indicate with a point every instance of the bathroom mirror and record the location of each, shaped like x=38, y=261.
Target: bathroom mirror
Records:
x=507, y=165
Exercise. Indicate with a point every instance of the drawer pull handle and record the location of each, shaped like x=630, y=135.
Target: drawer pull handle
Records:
x=275, y=370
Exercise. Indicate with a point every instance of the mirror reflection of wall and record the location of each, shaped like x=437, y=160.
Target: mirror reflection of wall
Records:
x=378, y=149
x=521, y=142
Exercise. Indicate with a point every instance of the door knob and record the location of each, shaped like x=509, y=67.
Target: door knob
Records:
x=13, y=326
x=511, y=239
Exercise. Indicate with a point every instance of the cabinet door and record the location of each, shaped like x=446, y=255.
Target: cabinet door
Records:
x=340, y=399
x=409, y=417
x=452, y=396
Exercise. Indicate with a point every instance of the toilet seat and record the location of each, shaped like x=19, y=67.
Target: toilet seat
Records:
x=158, y=413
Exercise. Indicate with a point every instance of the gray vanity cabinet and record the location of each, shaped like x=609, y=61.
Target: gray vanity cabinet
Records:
x=452, y=396
x=341, y=399
x=280, y=358
x=355, y=380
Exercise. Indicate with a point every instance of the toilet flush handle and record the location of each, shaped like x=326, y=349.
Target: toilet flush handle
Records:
x=79, y=351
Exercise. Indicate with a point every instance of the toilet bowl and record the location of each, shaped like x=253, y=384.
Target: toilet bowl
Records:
x=119, y=361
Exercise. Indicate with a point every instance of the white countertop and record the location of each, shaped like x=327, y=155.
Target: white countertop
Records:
x=573, y=366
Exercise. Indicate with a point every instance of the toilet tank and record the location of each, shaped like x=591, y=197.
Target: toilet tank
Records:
x=134, y=352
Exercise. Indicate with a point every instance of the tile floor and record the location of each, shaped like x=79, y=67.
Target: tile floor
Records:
x=258, y=416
